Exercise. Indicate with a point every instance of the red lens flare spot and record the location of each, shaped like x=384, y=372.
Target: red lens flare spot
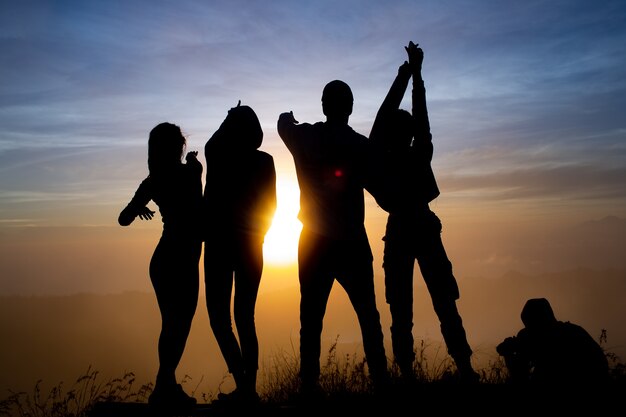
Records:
x=338, y=173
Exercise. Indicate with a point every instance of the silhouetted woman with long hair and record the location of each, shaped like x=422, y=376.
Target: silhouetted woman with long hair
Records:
x=176, y=188
x=240, y=201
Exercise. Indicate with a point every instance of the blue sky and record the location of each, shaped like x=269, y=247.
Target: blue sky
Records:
x=520, y=93
x=526, y=99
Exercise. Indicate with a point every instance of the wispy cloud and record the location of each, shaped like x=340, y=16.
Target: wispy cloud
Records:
x=525, y=98
x=569, y=183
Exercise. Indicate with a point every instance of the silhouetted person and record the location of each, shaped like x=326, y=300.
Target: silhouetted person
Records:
x=552, y=352
x=330, y=165
x=240, y=201
x=405, y=185
x=176, y=188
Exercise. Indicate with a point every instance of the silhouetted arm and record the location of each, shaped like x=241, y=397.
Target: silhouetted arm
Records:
x=517, y=363
x=269, y=196
x=391, y=102
x=137, y=205
x=422, y=138
x=286, y=122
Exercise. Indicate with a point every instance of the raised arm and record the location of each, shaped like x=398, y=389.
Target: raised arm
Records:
x=391, y=102
x=286, y=122
x=422, y=141
x=422, y=147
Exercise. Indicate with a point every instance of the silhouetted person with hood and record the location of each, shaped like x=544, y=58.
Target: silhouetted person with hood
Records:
x=330, y=161
x=240, y=201
x=552, y=352
x=404, y=185
x=176, y=188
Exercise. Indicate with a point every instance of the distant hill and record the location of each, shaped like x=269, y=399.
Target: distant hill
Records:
x=57, y=338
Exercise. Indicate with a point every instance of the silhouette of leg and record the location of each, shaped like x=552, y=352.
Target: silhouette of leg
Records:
x=247, y=281
x=175, y=278
x=218, y=270
x=436, y=270
x=315, y=285
x=455, y=337
x=354, y=264
x=398, y=263
x=360, y=289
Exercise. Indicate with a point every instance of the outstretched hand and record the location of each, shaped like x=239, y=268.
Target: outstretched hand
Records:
x=416, y=56
x=145, y=213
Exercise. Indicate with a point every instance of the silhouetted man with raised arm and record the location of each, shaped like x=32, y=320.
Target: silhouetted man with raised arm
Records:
x=404, y=186
x=330, y=160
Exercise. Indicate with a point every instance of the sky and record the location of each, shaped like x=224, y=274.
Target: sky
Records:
x=526, y=103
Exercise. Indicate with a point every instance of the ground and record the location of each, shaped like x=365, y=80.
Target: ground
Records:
x=485, y=399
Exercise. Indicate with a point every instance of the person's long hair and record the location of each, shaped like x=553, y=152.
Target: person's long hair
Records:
x=166, y=146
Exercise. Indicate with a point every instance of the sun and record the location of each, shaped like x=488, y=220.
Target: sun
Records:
x=281, y=241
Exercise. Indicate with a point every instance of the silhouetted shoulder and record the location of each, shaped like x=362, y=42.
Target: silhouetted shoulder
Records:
x=262, y=155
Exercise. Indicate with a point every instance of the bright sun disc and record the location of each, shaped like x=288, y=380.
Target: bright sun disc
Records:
x=281, y=241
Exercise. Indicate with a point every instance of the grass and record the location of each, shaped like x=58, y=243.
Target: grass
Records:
x=76, y=401
x=343, y=377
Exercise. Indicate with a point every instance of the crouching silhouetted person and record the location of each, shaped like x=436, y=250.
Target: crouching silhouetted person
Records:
x=552, y=352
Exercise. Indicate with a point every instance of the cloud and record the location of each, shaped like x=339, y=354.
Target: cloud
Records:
x=525, y=99
x=544, y=183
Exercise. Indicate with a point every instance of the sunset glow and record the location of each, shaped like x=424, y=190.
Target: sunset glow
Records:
x=529, y=155
x=281, y=242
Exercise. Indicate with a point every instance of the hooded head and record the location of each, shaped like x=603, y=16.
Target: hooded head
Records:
x=337, y=99
x=537, y=313
x=244, y=127
x=241, y=130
